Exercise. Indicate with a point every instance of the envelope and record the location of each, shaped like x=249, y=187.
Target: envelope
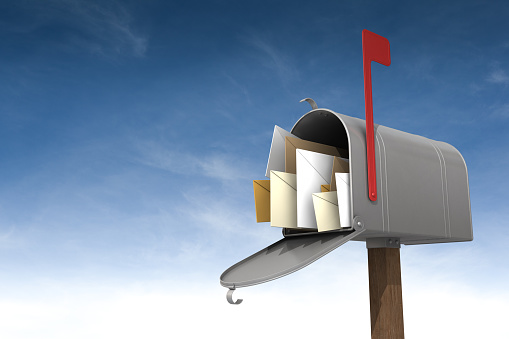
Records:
x=343, y=187
x=283, y=199
x=326, y=211
x=276, y=160
x=292, y=144
x=325, y=188
x=313, y=170
x=339, y=165
x=262, y=200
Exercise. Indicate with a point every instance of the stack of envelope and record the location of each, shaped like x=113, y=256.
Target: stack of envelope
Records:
x=309, y=186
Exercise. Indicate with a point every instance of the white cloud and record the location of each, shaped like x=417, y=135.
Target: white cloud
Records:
x=222, y=166
x=273, y=58
x=108, y=25
x=498, y=77
x=327, y=299
x=104, y=28
x=500, y=111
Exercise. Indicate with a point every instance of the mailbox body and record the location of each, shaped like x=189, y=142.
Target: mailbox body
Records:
x=422, y=184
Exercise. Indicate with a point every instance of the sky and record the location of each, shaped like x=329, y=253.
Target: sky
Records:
x=131, y=132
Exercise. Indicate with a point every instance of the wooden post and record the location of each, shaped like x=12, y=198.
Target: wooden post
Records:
x=386, y=301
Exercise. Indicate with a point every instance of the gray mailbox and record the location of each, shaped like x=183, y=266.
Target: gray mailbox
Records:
x=423, y=197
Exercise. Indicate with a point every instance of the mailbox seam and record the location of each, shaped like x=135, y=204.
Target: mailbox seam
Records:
x=383, y=185
x=448, y=225
x=444, y=187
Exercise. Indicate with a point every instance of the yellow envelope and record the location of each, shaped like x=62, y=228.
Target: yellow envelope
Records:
x=339, y=165
x=326, y=211
x=291, y=145
x=325, y=188
x=262, y=200
x=283, y=199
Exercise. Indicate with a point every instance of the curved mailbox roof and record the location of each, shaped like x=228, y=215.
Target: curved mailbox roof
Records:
x=284, y=257
x=422, y=184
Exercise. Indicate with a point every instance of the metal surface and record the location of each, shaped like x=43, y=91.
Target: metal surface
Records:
x=229, y=297
x=284, y=257
x=422, y=184
x=383, y=243
x=311, y=102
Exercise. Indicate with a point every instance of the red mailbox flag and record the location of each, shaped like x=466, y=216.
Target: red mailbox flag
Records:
x=374, y=48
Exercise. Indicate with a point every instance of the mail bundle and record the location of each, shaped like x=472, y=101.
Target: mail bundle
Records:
x=309, y=186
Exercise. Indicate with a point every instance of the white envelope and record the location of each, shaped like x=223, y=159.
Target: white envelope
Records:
x=283, y=199
x=343, y=187
x=313, y=170
x=276, y=160
x=326, y=211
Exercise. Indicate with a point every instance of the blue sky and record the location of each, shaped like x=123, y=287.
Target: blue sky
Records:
x=131, y=132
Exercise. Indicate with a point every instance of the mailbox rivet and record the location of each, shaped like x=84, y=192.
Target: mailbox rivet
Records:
x=390, y=241
x=359, y=223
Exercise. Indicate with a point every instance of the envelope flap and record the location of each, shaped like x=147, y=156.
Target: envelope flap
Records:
x=276, y=159
x=284, y=257
x=291, y=145
x=264, y=184
x=320, y=163
x=288, y=178
x=330, y=197
x=339, y=165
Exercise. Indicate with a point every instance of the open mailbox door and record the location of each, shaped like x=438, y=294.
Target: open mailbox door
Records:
x=284, y=257
x=423, y=197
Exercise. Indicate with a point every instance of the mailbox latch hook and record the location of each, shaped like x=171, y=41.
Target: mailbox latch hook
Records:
x=311, y=102
x=229, y=296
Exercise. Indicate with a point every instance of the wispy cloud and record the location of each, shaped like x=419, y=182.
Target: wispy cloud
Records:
x=110, y=26
x=273, y=58
x=498, y=76
x=500, y=111
x=101, y=28
x=221, y=166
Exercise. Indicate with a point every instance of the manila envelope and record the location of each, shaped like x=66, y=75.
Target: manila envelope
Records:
x=291, y=145
x=343, y=186
x=313, y=170
x=326, y=211
x=339, y=165
x=262, y=200
x=325, y=188
x=283, y=199
x=276, y=160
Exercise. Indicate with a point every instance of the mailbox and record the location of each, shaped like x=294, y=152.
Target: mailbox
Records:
x=423, y=197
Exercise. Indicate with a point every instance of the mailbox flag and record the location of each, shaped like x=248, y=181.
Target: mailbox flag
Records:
x=374, y=48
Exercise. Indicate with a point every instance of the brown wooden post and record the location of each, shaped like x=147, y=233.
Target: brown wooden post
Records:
x=386, y=301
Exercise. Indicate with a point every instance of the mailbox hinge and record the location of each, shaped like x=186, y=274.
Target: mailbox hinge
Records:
x=383, y=243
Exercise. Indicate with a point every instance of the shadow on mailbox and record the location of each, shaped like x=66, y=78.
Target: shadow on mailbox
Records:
x=423, y=197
